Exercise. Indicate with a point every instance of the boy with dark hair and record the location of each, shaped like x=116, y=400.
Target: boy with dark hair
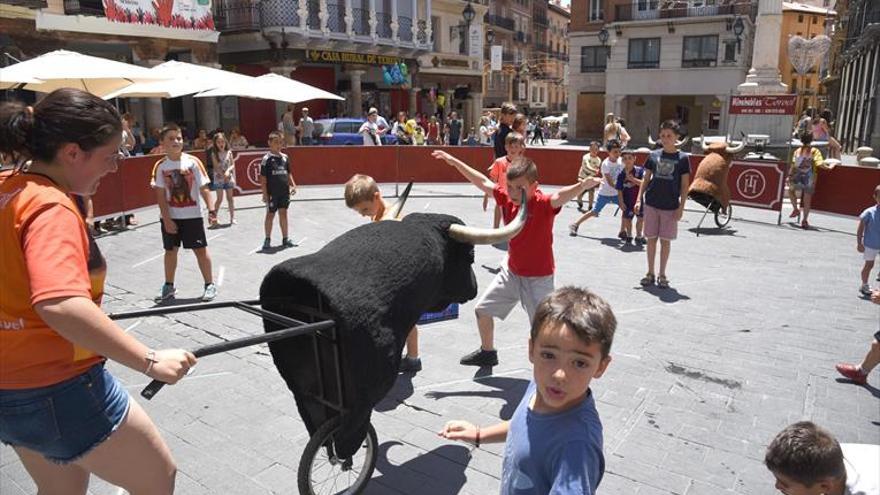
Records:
x=527, y=276
x=277, y=184
x=515, y=145
x=664, y=189
x=807, y=460
x=181, y=184
x=508, y=113
x=629, y=181
x=609, y=169
x=554, y=439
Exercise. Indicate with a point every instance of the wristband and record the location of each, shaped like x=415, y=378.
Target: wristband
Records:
x=477, y=441
x=151, y=359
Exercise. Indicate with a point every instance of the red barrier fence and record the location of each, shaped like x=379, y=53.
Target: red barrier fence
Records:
x=845, y=190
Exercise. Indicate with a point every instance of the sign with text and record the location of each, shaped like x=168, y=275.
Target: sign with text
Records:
x=763, y=104
x=330, y=57
x=497, y=57
x=475, y=40
x=757, y=184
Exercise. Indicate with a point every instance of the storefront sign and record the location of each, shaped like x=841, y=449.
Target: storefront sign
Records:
x=182, y=14
x=497, y=54
x=475, y=40
x=329, y=57
x=756, y=184
x=521, y=93
x=450, y=62
x=763, y=105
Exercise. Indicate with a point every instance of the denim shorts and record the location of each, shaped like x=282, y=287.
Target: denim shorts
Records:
x=64, y=421
x=602, y=202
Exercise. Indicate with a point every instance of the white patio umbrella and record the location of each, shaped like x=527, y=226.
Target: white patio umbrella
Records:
x=272, y=87
x=182, y=79
x=66, y=69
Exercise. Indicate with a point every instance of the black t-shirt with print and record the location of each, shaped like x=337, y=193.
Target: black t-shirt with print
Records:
x=275, y=168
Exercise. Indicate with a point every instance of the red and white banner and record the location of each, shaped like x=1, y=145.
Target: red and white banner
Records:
x=182, y=14
x=763, y=104
x=757, y=184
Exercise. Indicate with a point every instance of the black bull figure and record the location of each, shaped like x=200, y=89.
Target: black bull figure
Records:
x=374, y=281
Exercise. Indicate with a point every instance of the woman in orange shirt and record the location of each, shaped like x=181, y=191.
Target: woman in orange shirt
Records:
x=62, y=412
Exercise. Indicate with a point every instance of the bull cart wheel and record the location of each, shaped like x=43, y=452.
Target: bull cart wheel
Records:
x=321, y=472
x=723, y=216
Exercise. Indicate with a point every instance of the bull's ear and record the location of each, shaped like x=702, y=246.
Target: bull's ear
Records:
x=394, y=212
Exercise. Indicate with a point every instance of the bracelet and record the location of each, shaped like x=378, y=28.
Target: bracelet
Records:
x=151, y=359
x=477, y=441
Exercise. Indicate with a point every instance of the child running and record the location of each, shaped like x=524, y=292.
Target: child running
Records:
x=868, y=240
x=590, y=164
x=276, y=181
x=362, y=195
x=527, y=275
x=554, y=439
x=629, y=181
x=610, y=169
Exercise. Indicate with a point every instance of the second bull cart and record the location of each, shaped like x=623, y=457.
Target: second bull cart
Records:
x=321, y=471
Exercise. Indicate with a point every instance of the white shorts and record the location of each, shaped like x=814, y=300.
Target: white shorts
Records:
x=871, y=254
x=508, y=289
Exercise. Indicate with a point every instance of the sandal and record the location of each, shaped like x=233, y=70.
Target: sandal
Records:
x=795, y=213
x=647, y=280
x=662, y=282
x=805, y=225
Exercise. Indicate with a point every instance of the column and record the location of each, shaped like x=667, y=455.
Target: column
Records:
x=349, y=18
x=356, y=97
x=394, y=24
x=322, y=16
x=428, y=28
x=373, y=20
x=448, y=108
x=153, y=114
x=415, y=20
x=208, y=108
x=414, y=100
x=136, y=106
x=764, y=75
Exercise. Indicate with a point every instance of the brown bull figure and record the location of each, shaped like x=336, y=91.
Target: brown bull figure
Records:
x=709, y=186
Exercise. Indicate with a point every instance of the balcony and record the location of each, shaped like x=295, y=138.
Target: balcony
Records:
x=404, y=30
x=423, y=32
x=361, y=22
x=629, y=11
x=30, y=4
x=314, y=20
x=499, y=21
x=383, y=27
x=540, y=20
x=84, y=7
x=542, y=48
x=335, y=18
x=278, y=13
x=507, y=57
x=231, y=17
x=521, y=37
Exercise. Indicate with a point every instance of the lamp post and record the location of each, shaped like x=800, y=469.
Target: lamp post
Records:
x=603, y=38
x=468, y=15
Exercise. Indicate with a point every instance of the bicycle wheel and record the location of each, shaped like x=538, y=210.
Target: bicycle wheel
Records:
x=723, y=216
x=321, y=472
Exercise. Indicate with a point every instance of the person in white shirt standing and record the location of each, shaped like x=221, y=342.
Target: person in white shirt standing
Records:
x=370, y=130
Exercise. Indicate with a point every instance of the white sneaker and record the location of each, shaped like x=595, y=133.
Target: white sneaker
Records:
x=210, y=292
x=865, y=290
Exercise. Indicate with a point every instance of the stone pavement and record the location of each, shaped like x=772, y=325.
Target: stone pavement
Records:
x=703, y=375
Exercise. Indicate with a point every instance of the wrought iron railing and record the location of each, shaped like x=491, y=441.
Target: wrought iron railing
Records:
x=502, y=22
x=275, y=13
x=383, y=26
x=237, y=16
x=423, y=32
x=314, y=19
x=361, y=22
x=404, y=29
x=30, y=4
x=627, y=10
x=335, y=18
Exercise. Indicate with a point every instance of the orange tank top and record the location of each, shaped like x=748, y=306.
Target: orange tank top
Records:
x=45, y=253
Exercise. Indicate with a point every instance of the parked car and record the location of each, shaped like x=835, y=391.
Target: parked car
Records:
x=343, y=132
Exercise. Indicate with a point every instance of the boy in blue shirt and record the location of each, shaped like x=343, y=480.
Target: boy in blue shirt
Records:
x=868, y=238
x=554, y=439
x=629, y=181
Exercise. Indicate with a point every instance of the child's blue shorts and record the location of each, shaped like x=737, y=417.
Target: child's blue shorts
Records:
x=64, y=421
x=601, y=202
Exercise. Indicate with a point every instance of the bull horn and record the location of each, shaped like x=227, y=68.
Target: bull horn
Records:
x=703, y=144
x=682, y=142
x=650, y=140
x=475, y=235
x=393, y=213
x=736, y=148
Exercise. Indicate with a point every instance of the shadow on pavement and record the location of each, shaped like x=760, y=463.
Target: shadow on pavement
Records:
x=669, y=295
x=870, y=388
x=715, y=231
x=177, y=301
x=426, y=474
x=402, y=390
x=510, y=390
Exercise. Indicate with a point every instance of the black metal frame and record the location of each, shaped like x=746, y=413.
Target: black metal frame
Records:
x=322, y=327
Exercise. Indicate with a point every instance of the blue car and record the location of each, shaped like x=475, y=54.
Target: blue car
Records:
x=344, y=132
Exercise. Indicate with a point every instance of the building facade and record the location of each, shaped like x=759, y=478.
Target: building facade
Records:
x=659, y=60
x=806, y=21
x=855, y=74
x=557, y=59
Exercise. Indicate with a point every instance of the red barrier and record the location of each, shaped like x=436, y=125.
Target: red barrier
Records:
x=845, y=190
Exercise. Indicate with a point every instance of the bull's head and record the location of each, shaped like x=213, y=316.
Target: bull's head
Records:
x=724, y=147
x=678, y=143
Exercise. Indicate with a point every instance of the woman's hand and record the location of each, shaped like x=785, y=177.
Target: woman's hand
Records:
x=459, y=430
x=171, y=365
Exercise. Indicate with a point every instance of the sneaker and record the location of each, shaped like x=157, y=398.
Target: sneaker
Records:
x=795, y=213
x=662, y=282
x=805, y=225
x=210, y=292
x=267, y=244
x=647, y=280
x=629, y=240
x=168, y=292
x=621, y=235
x=573, y=230
x=480, y=358
x=865, y=290
x=641, y=241
x=852, y=372
x=580, y=206
x=410, y=365
x=287, y=243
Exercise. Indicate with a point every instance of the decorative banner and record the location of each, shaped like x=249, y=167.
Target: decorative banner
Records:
x=497, y=54
x=329, y=57
x=804, y=54
x=475, y=41
x=763, y=104
x=757, y=184
x=181, y=14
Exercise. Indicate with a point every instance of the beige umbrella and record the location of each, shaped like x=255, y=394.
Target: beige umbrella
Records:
x=272, y=87
x=182, y=79
x=66, y=69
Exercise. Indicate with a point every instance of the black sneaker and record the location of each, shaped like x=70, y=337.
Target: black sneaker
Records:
x=629, y=240
x=480, y=358
x=410, y=365
x=621, y=235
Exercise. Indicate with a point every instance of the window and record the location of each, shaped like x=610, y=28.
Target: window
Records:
x=594, y=58
x=644, y=53
x=800, y=18
x=700, y=51
x=730, y=51
x=815, y=20
x=594, y=10
x=435, y=32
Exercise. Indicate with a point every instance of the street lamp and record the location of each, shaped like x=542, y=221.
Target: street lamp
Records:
x=738, y=28
x=468, y=15
x=490, y=36
x=603, y=38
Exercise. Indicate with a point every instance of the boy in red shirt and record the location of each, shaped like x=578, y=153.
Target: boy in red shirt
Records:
x=527, y=277
x=515, y=145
